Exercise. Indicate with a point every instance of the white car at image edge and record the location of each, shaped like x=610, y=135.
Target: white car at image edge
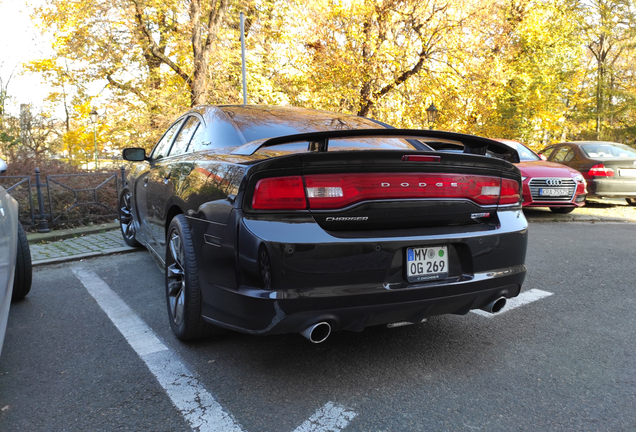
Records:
x=15, y=257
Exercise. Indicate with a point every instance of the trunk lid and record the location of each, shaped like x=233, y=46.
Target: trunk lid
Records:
x=388, y=189
x=622, y=167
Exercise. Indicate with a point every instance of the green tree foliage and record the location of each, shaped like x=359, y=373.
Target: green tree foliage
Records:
x=154, y=56
x=608, y=29
x=532, y=70
x=356, y=56
x=542, y=71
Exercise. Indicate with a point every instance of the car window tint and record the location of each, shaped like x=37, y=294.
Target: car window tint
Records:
x=372, y=144
x=259, y=123
x=346, y=144
x=197, y=143
x=607, y=150
x=525, y=154
x=183, y=139
x=562, y=154
x=163, y=146
x=547, y=152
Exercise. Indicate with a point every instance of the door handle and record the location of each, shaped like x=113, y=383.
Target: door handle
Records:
x=145, y=181
x=166, y=177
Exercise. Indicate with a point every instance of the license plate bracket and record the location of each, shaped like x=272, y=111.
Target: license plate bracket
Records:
x=426, y=263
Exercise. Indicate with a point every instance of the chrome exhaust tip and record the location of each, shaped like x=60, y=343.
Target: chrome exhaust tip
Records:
x=317, y=333
x=495, y=305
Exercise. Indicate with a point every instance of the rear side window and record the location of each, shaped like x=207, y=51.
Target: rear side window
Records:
x=564, y=154
x=197, y=142
x=183, y=139
x=163, y=146
x=547, y=152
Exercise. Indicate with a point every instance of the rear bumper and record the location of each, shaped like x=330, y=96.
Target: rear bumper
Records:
x=614, y=188
x=261, y=314
x=357, y=282
x=555, y=204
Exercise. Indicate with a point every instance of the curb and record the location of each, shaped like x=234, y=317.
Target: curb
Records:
x=561, y=218
x=70, y=232
x=87, y=255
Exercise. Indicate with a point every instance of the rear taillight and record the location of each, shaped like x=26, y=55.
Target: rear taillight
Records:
x=599, y=170
x=510, y=192
x=280, y=193
x=335, y=191
x=332, y=191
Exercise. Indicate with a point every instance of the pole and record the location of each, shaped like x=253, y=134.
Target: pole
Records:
x=243, y=58
x=95, y=142
x=43, y=226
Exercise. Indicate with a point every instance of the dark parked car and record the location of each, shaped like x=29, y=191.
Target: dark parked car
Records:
x=548, y=184
x=273, y=220
x=15, y=257
x=608, y=167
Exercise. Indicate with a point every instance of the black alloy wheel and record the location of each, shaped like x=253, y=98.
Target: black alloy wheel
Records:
x=562, y=210
x=23, y=268
x=631, y=201
x=183, y=294
x=126, y=220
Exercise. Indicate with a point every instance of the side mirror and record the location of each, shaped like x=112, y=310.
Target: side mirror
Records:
x=3, y=166
x=134, y=154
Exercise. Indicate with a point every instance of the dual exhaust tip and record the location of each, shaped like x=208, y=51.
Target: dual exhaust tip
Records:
x=319, y=332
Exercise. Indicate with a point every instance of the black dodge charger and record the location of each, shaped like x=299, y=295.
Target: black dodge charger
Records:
x=272, y=220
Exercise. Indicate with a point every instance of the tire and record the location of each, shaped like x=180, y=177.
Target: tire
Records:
x=23, y=268
x=126, y=220
x=183, y=294
x=562, y=210
x=631, y=201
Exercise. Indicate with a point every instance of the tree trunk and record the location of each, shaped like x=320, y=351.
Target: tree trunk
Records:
x=201, y=49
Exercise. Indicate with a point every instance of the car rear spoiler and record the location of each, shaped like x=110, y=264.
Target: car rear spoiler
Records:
x=319, y=141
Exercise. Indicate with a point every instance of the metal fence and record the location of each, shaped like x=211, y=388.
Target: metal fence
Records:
x=65, y=199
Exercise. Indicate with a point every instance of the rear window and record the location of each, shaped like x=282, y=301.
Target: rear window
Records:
x=608, y=151
x=261, y=122
x=348, y=144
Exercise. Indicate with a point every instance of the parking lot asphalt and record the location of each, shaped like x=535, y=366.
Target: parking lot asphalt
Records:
x=562, y=362
x=87, y=242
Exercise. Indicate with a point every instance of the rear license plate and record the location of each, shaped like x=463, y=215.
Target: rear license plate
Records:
x=554, y=192
x=426, y=263
x=627, y=172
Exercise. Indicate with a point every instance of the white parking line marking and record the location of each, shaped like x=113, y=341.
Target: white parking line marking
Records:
x=330, y=418
x=522, y=299
x=197, y=405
